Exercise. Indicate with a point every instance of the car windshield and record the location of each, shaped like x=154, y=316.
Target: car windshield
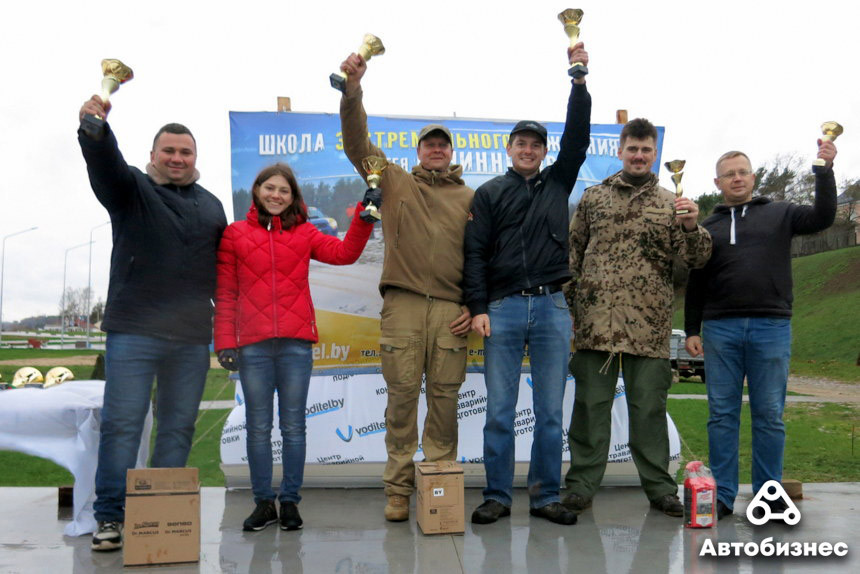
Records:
x=314, y=213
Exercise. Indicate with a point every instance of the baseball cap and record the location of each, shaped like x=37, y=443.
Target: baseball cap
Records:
x=530, y=126
x=430, y=128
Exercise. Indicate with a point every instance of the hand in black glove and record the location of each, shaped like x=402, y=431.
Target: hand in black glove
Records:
x=229, y=359
x=373, y=196
x=371, y=202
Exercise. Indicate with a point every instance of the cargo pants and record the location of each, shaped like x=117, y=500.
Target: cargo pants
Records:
x=416, y=344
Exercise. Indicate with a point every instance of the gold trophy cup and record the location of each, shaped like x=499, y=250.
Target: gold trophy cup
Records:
x=571, y=19
x=676, y=166
x=115, y=73
x=370, y=46
x=374, y=166
x=829, y=132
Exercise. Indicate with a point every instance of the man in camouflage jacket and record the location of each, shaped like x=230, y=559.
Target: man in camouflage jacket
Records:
x=623, y=238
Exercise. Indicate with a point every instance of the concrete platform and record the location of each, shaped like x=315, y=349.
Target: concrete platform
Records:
x=345, y=533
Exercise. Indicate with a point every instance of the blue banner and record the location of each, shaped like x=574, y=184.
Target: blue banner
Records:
x=311, y=144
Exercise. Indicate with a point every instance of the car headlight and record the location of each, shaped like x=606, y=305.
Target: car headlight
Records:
x=332, y=222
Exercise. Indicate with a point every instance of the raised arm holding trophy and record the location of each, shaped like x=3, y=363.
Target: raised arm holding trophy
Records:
x=829, y=132
x=115, y=73
x=423, y=325
x=515, y=266
x=158, y=315
x=370, y=46
x=571, y=19
x=737, y=311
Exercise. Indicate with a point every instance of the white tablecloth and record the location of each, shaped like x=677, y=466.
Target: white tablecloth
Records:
x=62, y=424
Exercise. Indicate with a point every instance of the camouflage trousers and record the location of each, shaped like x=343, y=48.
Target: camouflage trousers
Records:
x=416, y=344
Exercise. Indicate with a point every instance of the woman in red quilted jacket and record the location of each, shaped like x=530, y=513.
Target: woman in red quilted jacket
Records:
x=265, y=327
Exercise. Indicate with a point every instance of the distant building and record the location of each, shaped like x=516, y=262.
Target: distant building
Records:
x=848, y=209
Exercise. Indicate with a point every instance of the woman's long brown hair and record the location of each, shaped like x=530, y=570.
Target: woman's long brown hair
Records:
x=295, y=213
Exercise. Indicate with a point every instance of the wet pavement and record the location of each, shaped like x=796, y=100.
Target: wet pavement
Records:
x=345, y=533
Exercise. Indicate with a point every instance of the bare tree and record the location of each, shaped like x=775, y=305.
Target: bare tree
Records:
x=847, y=210
x=73, y=304
x=97, y=312
x=787, y=177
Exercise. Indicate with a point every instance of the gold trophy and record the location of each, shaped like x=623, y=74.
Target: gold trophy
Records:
x=374, y=166
x=829, y=132
x=571, y=18
x=115, y=73
x=676, y=166
x=370, y=46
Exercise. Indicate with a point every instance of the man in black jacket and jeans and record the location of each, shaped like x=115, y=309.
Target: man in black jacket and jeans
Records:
x=516, y=251
x=744, y=296
x=158, y=316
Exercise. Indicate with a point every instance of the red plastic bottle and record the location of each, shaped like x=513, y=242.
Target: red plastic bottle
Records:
x=700, y=496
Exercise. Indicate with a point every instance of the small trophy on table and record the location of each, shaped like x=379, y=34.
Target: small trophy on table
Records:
x=374, y=166
x=829, y=132
x=571, y=19
x=370, y=46
x=115, y=73
x=676, y=166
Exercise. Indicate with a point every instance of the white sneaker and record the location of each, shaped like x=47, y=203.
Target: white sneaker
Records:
x=108, y=537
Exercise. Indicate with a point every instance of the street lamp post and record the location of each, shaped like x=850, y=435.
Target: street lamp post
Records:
x=2, y=269
x=63, y=298
x=90, y=282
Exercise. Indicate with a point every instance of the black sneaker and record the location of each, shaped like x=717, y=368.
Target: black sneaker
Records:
x=107, y=537
x=290, y=518
x=576, y=503
x=264, y=515
x=555, y=512
x=723, y=510
x=669, y=505
x=489, y=512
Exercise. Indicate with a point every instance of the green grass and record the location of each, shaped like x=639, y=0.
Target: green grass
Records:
x=819, y=445
x=26, y=354
x=218, y=387
x=19, y=469
x=825, y=325
x=826, y=329
x=206, y=447
x=818, y=449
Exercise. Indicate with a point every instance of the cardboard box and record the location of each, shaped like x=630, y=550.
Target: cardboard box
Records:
x=162, y=517
x=440, y=505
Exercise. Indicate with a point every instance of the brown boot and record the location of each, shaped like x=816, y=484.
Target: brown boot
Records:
x=397, y=509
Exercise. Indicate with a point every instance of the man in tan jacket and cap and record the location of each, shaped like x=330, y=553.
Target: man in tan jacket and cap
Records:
x=424, y=324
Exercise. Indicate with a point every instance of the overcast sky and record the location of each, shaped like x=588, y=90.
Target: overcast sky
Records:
x=756, y=76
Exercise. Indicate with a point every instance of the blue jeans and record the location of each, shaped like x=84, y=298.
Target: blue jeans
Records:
x=543, y=323
x=283, y=366
x=131, y=364
x=759, y=349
